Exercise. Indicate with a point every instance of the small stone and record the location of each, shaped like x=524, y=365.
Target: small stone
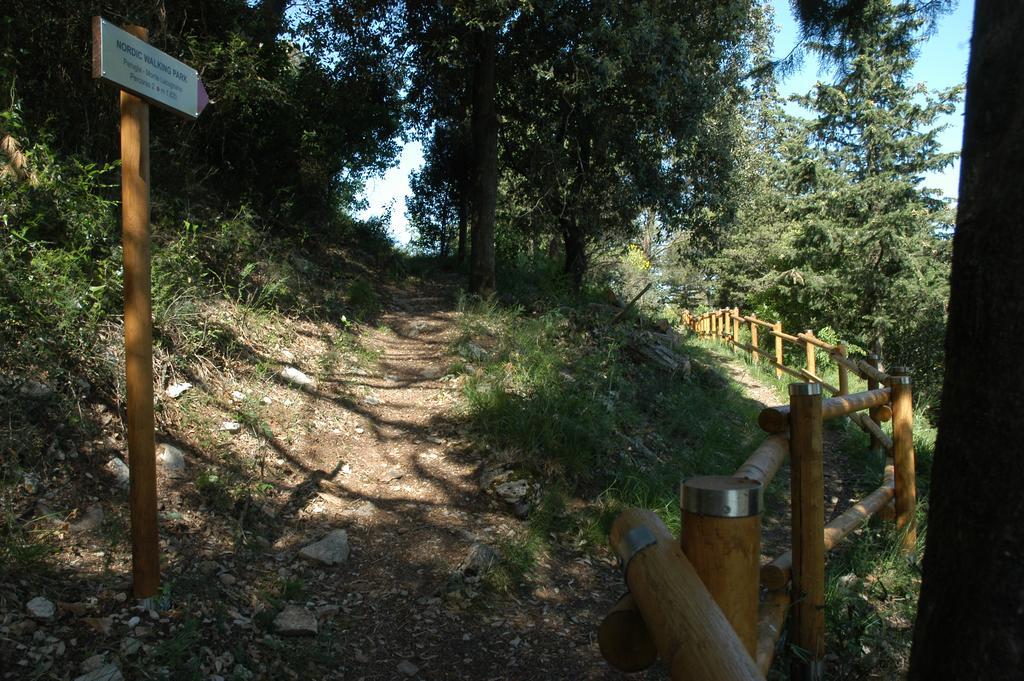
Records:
x=432, y=372
x=325, y=611
x=209, y=567
x=295, y=621
x=177, y=390
x=296, y=377
x=267, y=400
x=333, y=549
x=513, y=491
x=346, y=470
x=371, y=400
x=228, y=579
x=107, y=672
x=41, y=609
x=408, y=668
x=231, y=426
x=478, y=561
x=134, y=622
x=392, y=474
x=90, y=521
x=119, y=469
x=237, y=395
x=171, y=459
x=35, y=390
x=360, y=431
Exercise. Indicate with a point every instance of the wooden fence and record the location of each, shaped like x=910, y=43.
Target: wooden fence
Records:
x=681, y=591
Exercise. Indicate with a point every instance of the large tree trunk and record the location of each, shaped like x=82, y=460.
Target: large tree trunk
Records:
x=460, y=256
x=485, y=145
x=970, y=621
x=575, y=250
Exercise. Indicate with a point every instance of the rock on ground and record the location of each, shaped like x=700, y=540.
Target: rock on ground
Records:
x=295, y=620
x=171, y=459
x=41, y=608
x=331, y=550
x=296, y=377
x=408, y=668
x=119, y=469
x=514, y=491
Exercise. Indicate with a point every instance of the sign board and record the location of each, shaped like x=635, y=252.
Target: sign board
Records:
x=136, y=66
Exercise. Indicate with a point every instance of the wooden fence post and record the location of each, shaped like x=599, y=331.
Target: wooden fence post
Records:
x=808, y=528
x=777, y=328
x=755, y=355
x=903, y=459
x=721, y=535
x=844, y=377
x=876, y=445
x=811, y=354
x=735, y=325
x=727, y=318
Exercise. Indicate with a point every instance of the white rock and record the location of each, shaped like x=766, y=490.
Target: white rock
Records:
x=107, y=672
x=119, y=469
x=295, y=621
x=296, y=377
x=41, y=608
x=237, y=396
x=267, y=400
x=231, y=426
x=171, y=459
x=513, y=491
x=177, y=390
x=408, y=668
x=331, y=550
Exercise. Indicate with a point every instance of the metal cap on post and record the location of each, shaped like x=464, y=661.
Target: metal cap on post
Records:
x=796, y=389
x=721, y=536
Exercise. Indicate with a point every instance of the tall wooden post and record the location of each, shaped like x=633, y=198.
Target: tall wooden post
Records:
x=727, y=321
x=903, y=459
x=808, y=527
x=812, y=364
x=138, y=340
x=844, y=376
x=876, y=445
x=721, y=535
x=755, y=354
x=735, y=325
x=777, y=328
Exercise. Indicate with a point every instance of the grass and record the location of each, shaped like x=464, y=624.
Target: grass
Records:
x=556, y=394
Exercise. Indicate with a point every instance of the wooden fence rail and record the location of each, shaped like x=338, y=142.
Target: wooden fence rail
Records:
x=721, y=524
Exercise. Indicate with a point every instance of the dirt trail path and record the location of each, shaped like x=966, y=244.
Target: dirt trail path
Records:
x=403, y=480
x=838, y=477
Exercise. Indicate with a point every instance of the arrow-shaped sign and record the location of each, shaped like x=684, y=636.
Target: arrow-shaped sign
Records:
x=134, y=65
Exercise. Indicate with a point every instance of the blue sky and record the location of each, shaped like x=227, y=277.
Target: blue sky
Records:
x=942, y=63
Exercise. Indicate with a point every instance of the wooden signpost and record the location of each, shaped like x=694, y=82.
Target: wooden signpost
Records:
x=144, y=75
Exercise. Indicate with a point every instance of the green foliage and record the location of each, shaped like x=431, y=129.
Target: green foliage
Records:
x=836, y=227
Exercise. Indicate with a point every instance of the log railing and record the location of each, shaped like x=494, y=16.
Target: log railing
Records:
x=694, y=602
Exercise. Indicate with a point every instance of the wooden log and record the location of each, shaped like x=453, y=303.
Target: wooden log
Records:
x=844, y=377
x=883, y=413
x=727, y=317
x=777, y=332
x=624, y=639
x=809, y=337
x=808, y=529
x=631, y=303
x=689, y=630
x=765, y=461
x=848, y=363
x=721, y=535
x=746, y=346
x=753, y=319
x=785, y=336
x=878, y=436
x=814, y=378
x=736, y=319
x=776, y=574
x=812, y=364
x=770, y=620
x=903, y=460
x=776, y=419
x=872, y=373
x=796, y=373
x=755, y=353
